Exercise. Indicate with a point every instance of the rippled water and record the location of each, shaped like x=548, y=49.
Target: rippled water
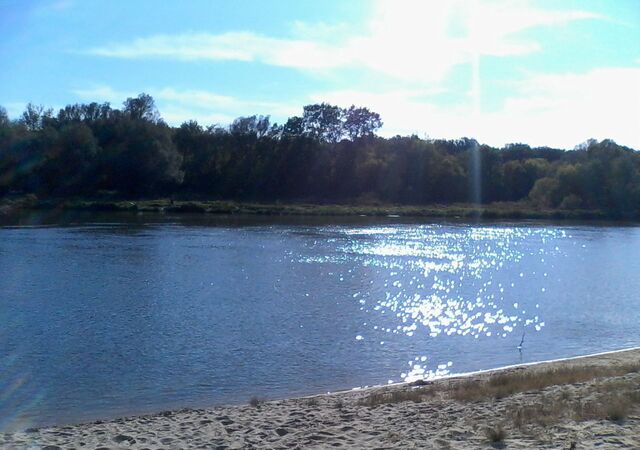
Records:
x=143, y=313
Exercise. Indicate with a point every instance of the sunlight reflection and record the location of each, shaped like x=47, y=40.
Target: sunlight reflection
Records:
x=438, y=281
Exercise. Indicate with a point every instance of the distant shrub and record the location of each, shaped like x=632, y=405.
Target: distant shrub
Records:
x=544, y=192
x=571, y=201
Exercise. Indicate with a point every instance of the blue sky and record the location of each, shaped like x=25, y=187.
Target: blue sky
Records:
x=537, y=71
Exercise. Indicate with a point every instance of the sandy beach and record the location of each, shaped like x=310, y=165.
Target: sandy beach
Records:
x=587, y=402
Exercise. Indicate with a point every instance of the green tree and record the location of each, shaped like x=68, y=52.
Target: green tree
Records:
x=35, y=117
x=294, y=127
x=66, y=169
x=521, y=175
x=360, y=122
x=142, y=107
x=257, y=126
x=545, y=192
x=141, y=160
x=323, y=122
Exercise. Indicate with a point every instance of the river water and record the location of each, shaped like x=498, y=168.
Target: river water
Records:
x=109, y=315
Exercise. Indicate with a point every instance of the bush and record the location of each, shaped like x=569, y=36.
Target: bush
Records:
x=571, y=201
x=545, y=192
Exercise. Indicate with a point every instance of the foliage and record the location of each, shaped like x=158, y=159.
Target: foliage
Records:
x=142, y=107
x=327, y=155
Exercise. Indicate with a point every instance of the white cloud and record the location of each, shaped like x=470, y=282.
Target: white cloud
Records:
x=238, y=46
x=200, y=100
x=103, y=93
x=547, y=110
x=409, y=40
x=197, y=98
x=565, y=109
x=175, y=115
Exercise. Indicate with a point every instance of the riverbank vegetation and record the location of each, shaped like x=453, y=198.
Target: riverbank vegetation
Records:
x=94, y=156
x=575, y=392
x=493, y=211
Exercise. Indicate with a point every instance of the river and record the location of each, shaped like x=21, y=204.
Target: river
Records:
x=109, y=315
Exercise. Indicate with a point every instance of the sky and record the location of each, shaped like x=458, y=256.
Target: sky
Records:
x=542, y=72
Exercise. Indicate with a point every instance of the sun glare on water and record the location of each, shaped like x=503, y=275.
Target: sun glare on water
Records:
x=428, y=281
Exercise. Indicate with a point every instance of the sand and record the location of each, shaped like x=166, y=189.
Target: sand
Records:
x=343, y=420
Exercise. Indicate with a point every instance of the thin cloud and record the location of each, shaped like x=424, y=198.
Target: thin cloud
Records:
x=237, y=46
x=103, y=93
x=417, y=41
x=177, y=106
x=232, y=106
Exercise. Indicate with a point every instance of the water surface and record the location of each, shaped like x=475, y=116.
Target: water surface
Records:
x=111, y=315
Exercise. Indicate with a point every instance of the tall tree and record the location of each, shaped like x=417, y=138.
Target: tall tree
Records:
x=255, y=125
x=294, y=127
x=323, y=122
x=35, y=116
x=142, y=107
x=360, y=122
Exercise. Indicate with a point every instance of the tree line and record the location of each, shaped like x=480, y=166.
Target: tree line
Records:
x=327, y=154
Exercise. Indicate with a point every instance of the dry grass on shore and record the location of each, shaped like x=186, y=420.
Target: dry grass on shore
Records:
x=578, y=393
x=503, y=384
x=512, y=382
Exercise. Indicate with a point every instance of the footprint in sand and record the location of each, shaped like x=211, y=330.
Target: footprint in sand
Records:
x=123, y=437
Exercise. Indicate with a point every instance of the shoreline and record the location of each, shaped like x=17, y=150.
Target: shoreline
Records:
x=491, y=211
x=449, y=412
x=462, y=375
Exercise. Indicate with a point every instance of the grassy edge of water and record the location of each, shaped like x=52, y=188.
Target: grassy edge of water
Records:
x=564, y=391
x=512, y=210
